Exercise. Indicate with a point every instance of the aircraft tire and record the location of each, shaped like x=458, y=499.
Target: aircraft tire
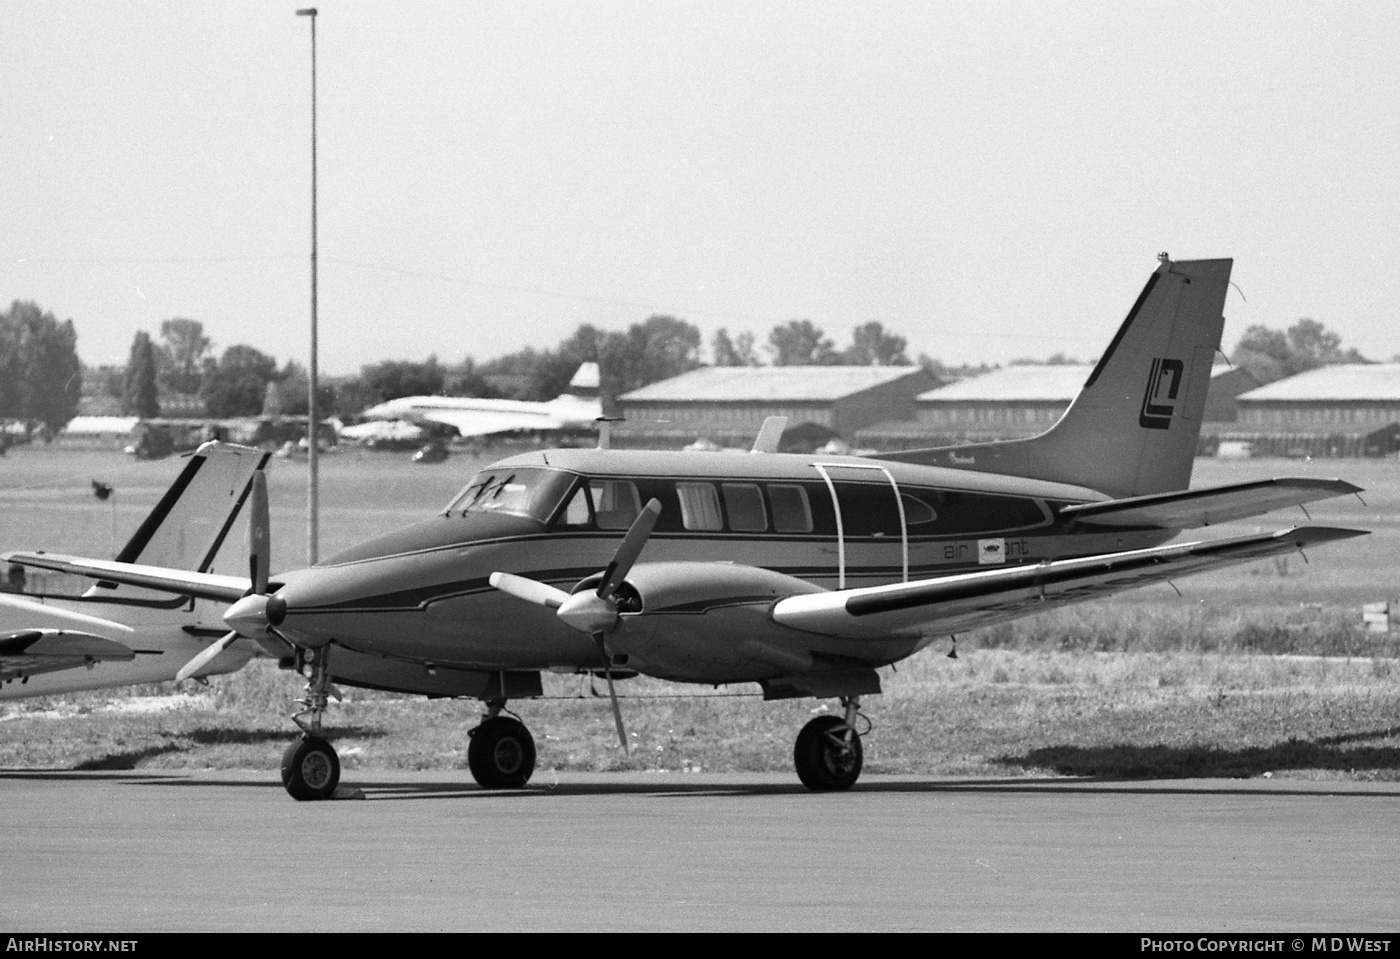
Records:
x=824, y=764
x=501, y=754
x=310, y=769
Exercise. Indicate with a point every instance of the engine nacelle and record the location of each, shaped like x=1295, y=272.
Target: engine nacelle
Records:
x=707, y=622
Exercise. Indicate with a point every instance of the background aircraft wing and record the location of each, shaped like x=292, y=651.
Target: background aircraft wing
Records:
x=966, y=601
x=1190, y=509
x=28, y=652
x=220, y=588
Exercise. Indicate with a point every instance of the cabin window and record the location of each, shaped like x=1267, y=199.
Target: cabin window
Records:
x=792, y=513
x=744, y=503
x=959, y=511
x=868, y=509
x=577, y=512
x=916, y=511
x=699, y=506
x=529, y=492
x=615, y=502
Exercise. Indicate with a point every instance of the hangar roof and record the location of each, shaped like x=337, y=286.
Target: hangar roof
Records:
x=1016, y=383
x=1344, y=381
x=717, y=384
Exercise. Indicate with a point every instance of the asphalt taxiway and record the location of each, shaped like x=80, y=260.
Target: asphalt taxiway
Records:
x=208, y=851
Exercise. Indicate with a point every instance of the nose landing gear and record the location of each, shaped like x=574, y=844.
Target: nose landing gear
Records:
x=310, y=767
x=828, y=754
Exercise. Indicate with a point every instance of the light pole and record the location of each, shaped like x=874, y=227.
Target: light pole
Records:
x=312, y=418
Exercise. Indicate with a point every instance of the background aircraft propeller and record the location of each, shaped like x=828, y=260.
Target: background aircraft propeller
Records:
x=593, y=612
x=259, y=545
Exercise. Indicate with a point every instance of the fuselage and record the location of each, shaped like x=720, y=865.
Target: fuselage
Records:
x=421, y=595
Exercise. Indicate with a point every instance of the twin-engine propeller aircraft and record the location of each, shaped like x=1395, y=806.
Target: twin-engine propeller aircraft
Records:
x=803, y=574
x=114, y=635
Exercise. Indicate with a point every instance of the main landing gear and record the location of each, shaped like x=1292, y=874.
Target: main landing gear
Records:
x=828, y=754
x=310, y=767
x=501, y=754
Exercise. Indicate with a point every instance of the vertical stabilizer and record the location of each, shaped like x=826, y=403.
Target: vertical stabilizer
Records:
x=1134, y=427
x=193, y=518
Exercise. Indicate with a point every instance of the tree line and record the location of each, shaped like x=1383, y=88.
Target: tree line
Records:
x=41, y=377
x=182, y=363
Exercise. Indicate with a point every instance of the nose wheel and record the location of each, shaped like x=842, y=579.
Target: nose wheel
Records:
x=310, y=769
x=828, y=754
x=501, y=754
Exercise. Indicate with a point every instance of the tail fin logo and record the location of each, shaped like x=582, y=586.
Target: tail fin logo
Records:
x=1159, y=399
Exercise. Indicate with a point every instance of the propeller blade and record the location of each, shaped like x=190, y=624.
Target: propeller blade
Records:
x=53, y=612
x=630, y=549
x=612, y=692
x=204, y=657
x=530, y=590
x=259, y=537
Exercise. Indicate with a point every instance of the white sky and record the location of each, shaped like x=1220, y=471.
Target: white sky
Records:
x=991, y=180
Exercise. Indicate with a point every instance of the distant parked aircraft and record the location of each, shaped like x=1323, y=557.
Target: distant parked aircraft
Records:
x=482, y=417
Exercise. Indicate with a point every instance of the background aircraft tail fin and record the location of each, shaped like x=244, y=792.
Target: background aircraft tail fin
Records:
x=1134, y=427
x=191, y=521
x=586, y=380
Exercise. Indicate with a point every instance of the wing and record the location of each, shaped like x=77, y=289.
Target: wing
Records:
x=967, y=601
x=1190, y=509
x=28, y=652
x=220, y=588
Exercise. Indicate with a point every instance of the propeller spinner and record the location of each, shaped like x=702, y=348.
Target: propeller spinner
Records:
x=593, y=612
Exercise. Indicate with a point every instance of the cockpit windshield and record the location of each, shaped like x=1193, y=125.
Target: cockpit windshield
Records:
x=519, y=491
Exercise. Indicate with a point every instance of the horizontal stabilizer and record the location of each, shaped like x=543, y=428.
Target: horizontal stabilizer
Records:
x=220, y=588
x=28, y=652
x=1190, y=509
x=970, y=600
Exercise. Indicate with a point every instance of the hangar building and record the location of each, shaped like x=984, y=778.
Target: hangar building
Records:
x=1330, y=411
x=728, y=404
